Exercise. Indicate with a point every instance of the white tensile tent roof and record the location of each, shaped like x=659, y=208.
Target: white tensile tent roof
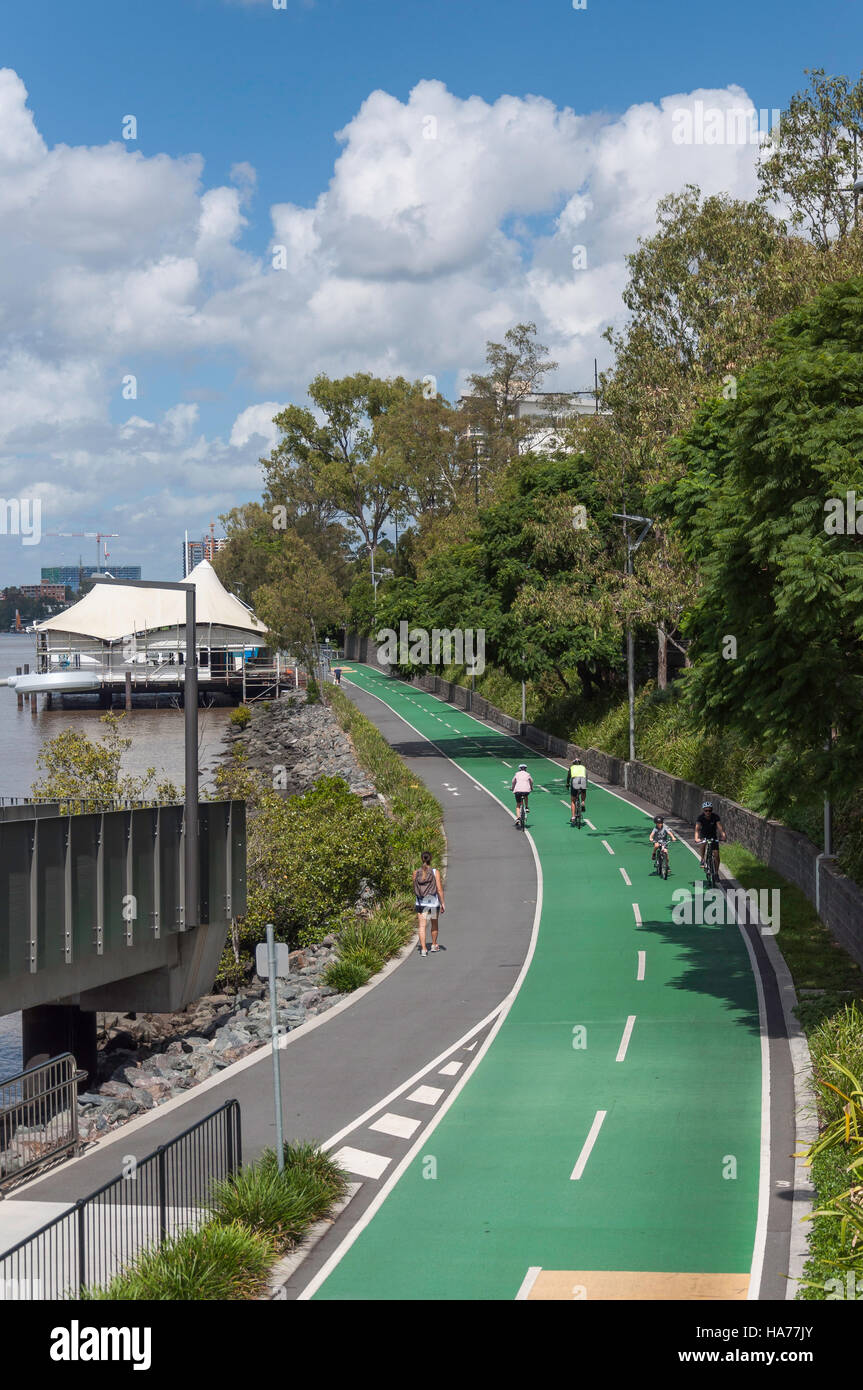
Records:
x=113, y=611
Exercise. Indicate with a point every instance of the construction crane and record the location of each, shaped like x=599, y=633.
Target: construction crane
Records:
x=98, y=536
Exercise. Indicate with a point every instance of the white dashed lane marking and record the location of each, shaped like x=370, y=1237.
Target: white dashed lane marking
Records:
x=398, y=1125
x=426, y=1095
x=627, y=880
x=642, y=965
x=451, y=1069
x=527, y=1283
x=624, y=1041
x=588, y=1145
x=608, y=847
x=359, y=1161
x=637, y=912
x=590, y=823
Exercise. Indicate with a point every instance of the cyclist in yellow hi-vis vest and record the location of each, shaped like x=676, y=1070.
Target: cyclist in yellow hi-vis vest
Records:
x=576, y=785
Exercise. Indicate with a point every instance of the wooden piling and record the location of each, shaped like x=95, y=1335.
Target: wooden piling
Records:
x=18, y=692
x=128, y=690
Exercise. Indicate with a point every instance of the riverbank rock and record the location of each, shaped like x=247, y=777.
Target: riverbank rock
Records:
x=147, y=1059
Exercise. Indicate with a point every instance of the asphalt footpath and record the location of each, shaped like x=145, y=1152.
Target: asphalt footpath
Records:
x=334, y=1072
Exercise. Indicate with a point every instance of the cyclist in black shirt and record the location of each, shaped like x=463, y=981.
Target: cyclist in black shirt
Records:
x=709, y=827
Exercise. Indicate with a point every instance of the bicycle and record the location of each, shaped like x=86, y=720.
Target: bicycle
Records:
x=710, y=875
x=522, y=811
x=579, y=800
x=660, y=861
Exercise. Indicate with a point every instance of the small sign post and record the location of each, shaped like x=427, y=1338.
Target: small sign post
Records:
x=273, y=959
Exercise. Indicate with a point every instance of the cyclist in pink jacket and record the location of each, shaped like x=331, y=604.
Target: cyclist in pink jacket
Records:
x=522, y=785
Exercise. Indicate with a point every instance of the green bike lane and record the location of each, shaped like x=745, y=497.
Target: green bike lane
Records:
x=643, y=1037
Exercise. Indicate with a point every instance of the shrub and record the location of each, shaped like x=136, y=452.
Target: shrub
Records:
x=309, y=1160
x=382, y=934
x=308, y=856
x=279, y=1206
x=215, y=1263
x=241, y=716
x=417, y=819
x=346, y=975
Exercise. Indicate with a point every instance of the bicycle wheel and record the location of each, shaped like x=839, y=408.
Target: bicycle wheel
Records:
x=709, y=868
x=665, y=866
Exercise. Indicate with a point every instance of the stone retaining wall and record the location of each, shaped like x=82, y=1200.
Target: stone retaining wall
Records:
x=838, y=898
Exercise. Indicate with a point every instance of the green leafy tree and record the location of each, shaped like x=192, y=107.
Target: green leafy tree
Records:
x=817, y=157
x=84, y=774
x=517, y=367
x=299, y=600
x=778, y=622
x=336, y=467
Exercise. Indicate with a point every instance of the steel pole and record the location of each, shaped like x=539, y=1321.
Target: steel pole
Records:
x=828, y=815
x=274, y=1031
x=190, y=697
x=630, y=667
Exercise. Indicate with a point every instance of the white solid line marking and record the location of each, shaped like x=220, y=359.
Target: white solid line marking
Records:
x=527, y=1283
x=590, y=823
x=426, y=1095
x=588, y=1145
x=359, y=1161
x=505, y=763
x=624, y=1041
x=642, y=964
x=399, y=1125
x=627, y=880
x=608, y=847
x=637, y=914
x=451, y=1069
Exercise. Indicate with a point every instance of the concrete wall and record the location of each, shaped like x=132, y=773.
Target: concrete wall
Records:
x=838, y=898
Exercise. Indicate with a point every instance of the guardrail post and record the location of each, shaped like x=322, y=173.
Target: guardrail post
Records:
x=161, y=1167
x=81, y=1225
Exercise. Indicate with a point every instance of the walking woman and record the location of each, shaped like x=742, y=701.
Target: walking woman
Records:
x=428, y=890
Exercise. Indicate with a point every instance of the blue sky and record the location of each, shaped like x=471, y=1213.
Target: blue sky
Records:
x=403, y=258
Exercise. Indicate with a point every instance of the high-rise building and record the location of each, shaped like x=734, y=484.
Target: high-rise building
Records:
x=205, y=549
x=73, y=574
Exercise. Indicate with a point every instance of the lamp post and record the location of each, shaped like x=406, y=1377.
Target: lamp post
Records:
x=631, y=547
x=190, y=702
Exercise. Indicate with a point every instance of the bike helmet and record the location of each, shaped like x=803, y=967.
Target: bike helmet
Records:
x=522, y=767
x=658, y=820
x=707, y=805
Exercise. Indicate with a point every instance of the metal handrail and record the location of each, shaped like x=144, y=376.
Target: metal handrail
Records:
x=154, y=1198
x=43, y=1103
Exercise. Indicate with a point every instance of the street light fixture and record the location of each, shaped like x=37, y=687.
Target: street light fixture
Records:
x=631, y=547
x=190, y=703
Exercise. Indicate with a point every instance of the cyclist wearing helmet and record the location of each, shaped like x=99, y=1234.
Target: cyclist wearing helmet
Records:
x=660, y=835
x=709, y=827
x=522, y=785
x=576, y=785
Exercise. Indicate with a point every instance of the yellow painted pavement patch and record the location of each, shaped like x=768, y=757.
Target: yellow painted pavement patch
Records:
x=610, y=1284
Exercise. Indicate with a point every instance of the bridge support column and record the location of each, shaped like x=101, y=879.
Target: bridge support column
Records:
x=48, y=1029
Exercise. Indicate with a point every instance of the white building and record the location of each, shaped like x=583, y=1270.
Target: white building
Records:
x=544, y=412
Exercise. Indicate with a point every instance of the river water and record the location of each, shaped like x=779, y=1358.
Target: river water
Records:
x=157, y=741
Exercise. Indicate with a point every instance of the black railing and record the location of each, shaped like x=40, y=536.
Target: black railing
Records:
x=162, y=1195
x=38, y=1116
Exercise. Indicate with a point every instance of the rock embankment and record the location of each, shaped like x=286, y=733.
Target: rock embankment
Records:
x=294, y=744
x=145, y=1060
x=149, y=1059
